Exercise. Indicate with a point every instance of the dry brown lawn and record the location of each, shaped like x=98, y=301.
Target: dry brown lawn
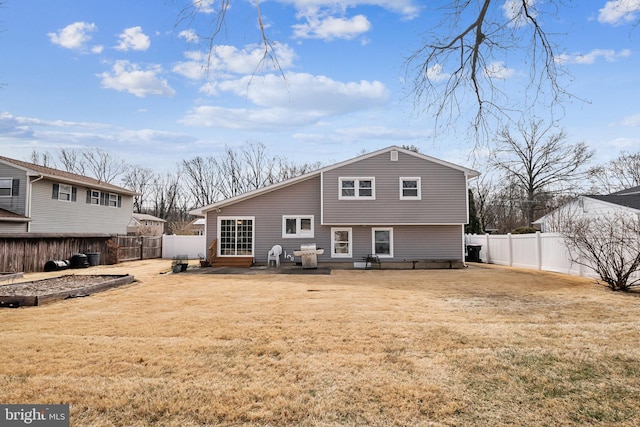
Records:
x=482, y=346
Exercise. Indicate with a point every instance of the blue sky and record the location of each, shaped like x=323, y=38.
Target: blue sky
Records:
x=126, y=76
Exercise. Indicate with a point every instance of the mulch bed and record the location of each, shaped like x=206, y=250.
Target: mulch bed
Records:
x=40, y=292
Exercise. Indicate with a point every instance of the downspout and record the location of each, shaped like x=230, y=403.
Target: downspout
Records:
x=28, y=204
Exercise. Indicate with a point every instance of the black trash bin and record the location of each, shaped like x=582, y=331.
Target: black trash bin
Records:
x=79, y=261
x=473, y=253
x=93, y=258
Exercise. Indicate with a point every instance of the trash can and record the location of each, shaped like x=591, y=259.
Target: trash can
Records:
x=79, y=261
x=55, y=265
x=473, y=253
x=93, y=258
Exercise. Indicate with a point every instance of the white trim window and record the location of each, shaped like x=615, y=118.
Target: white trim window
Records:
x=294, y=226
x=382, y=242
x=6, y=187
x=236, y=236
x=94, y=197
x=65, y=192
x=113, y=200
x=363, y=188
x=341, y=242
x=410, y=188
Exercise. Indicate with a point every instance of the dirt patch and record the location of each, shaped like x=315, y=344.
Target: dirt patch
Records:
x=39, y=292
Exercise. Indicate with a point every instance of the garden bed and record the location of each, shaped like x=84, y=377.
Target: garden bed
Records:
x=5, y=277
x=44, y=291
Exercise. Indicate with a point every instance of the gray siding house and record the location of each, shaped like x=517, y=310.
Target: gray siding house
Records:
x=393, y=203
x=38, y=199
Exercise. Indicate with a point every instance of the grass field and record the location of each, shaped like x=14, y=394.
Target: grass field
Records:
x=482, y=346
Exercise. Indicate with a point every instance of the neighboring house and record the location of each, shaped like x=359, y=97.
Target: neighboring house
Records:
x=38, y=199
x=195, y=227
x=626, y=201
x=145, y=225
x=393, y=203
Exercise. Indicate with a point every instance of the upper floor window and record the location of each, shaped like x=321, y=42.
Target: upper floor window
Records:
x=64, y=192
x=297, y=226
x=357, y=188
x=410, y=189
x=93, y=197
x=6, y=185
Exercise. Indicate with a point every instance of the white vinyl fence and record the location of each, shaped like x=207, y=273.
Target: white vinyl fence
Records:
x=539, y=251
x=192, y=246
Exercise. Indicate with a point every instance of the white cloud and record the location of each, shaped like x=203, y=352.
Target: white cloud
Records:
x=407, y=8
x=204, y=6
x=302, y=91
x=210, y=88
x=435, y=73
x=189, y=35
x=248, y=119
x=609, y=55
x=133, y=39
x=619, y=11
x=128, y=77
x=229, y=60
x=631, y=121
x=195, y=68
x=331, y=28
x=74, y=36
x=514, y=12
x=298, y=99
x=497, y=70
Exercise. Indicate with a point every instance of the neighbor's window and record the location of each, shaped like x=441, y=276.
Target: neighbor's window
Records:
x=93, y=197
x=64, y=192
x=341, y=242
x=113, y=200
x=410, y=189
x=297, y=226
x=357, y=188
x=6, y=184
x=382, y=242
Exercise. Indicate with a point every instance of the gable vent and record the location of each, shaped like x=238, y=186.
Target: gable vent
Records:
x=394, y=155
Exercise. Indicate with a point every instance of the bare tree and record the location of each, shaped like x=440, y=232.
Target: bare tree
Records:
x=616, y=175
x=540, y=163
x=140, y=180
x=260, y=169
x=72, y=160
x=95, y=162
x=202, y=176
x=467, y=62
x=103, y=165
x=289, y=169
x=43, y=159
x=607, y=243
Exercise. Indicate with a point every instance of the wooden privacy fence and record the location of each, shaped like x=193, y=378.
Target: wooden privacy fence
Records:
x=139, y=247
x=29, y=252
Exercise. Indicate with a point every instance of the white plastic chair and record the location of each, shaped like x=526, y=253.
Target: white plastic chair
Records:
x=274, y=255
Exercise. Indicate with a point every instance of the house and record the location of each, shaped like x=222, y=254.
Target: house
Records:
x=38, y=199
x=145, y=225
x=393, y=203
x=625, y=201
